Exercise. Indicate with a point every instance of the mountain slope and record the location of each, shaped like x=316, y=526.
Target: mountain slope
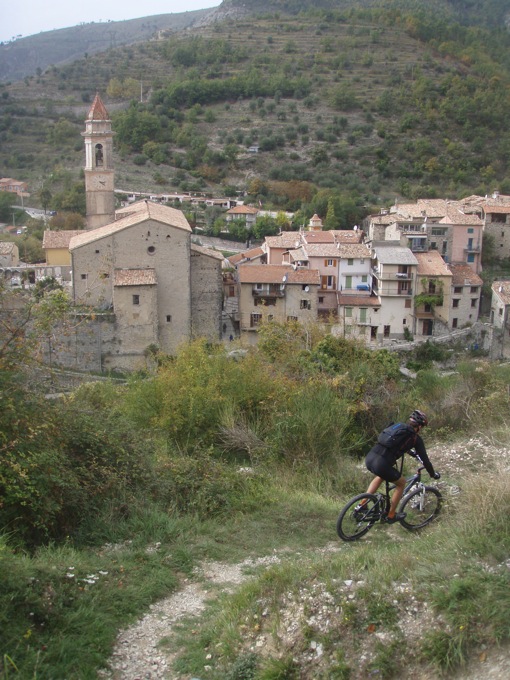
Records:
x=27, y=56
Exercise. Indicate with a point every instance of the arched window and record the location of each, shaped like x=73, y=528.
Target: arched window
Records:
x=99, y=155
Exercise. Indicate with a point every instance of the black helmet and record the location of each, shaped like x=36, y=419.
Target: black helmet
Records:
x=419, y=418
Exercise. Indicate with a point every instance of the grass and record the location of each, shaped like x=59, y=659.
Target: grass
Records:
x=61, y=607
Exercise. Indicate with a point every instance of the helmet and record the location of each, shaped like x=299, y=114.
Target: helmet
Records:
x=419, y=418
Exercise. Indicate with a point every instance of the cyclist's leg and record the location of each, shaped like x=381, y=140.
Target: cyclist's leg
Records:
x=375, y=484
x=396, y=497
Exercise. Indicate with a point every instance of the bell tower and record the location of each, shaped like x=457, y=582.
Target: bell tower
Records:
x=99, y=174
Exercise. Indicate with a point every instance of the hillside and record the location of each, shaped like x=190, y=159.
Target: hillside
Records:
x=371, y=101
x=27, y=56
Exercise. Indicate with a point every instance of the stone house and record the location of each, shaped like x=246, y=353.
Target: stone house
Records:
x=9, y=254
x=162, y=289
x=275, y=293
x=242, y=213
x=465, y=296
x=500, y=306
x=496, y=216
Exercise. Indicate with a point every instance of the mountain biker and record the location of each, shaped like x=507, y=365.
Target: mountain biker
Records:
x=381, y=460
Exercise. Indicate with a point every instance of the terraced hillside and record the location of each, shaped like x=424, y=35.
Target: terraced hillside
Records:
x=375, y=103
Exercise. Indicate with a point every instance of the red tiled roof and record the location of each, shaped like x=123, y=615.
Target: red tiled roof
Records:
x=464, y=275
x=432, y=264
x=98, y=110
x=59, y=239
x=274, y=273
x=134, y=277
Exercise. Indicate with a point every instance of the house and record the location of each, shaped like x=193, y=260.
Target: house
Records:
x=496, y=217
x=143, y=268
x=465, y=296
x=56, y=246
x=9, y=254
x=13, y=186
x=358, y=317
x=393, y=282
x=432, y=295
x=242, y=213
x=500, y=305
x=275, y=293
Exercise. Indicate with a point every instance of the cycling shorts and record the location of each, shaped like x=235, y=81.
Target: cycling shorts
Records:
x=381, y=467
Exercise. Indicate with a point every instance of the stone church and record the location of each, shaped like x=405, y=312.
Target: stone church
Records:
x=136, y=274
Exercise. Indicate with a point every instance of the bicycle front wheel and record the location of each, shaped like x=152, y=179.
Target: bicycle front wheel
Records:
x=353, y=524
x=421, y=506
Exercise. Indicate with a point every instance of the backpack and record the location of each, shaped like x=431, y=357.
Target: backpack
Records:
x=397, y=437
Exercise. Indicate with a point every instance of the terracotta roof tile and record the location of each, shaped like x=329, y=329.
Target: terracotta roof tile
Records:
x=464, y=275
x=139, y=212
x=354, y=250
x=98, y=110
x=274, y=273
x=358, y=301
x=431, y=264
x=6, y=247
x=502, y=290
x=59, y=239
x=134, y=277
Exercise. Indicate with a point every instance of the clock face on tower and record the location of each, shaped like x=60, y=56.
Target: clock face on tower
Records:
x=98, y=182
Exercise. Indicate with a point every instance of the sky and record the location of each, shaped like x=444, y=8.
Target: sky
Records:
x=28, y=17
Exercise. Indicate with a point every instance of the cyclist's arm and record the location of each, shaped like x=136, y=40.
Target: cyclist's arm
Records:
x=422, y=453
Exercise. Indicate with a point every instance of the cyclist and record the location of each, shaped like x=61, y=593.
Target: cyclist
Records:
x=381, y=460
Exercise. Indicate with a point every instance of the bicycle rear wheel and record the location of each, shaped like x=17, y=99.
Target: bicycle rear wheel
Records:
x=421, y=506
x=353, y=524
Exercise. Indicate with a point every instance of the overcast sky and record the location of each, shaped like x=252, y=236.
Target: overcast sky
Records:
x=27, y=17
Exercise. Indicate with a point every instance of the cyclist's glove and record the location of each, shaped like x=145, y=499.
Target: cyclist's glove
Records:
x=436, y=475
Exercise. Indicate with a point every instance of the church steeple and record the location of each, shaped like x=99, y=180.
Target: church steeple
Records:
x=99, y=173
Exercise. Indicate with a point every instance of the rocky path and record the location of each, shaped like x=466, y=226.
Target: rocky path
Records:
x=138, y=656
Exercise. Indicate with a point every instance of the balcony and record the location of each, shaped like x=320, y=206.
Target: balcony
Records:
x=275, y=291
x=392, y=276
x=471, y=248
x=392, y=292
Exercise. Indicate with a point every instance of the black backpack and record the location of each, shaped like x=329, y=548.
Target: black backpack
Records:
x=397, y=437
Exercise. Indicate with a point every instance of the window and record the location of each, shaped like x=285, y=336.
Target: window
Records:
x=364, y=279
x=427, y=308
x=84, y=276
x=438, y=231
x=456, y=303
x=501, y=312
x=321, y=300
x=433, y=245
x=255, y=319
x=350, y=261
x=136, y=299
x=348, y=281
x=330, y=263
x=473, y=302
x=348, y=312
x=387, y=330
x=330, y=281
x=97, y=252
x=305, y=304
x=151, y=250
x=407, y=304
x=474, y=290
x=363, y=315
x=471, y=257
x=270, y=317
x=362, y=260
x=458, y=290
x=168, y=318
x=258, y=286
x=292, y=318
x=455, y=323
x=471, y=230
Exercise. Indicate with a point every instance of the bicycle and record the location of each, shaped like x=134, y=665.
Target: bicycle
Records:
x=420, y=502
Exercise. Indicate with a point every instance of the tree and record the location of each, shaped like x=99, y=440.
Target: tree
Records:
x=45, y=197
x=7, y=200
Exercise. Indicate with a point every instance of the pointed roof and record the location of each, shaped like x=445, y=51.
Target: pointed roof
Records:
x=98, y=110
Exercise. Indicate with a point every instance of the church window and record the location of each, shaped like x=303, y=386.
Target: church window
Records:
x=169, y=318
x=151, y=250
x=99, y=155
x=136, y=299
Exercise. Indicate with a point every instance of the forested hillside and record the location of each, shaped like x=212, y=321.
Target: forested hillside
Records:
x=361, y=104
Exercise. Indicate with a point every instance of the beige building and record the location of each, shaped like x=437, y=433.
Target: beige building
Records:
x=162, y=289
x=393, y=282
x=432, y=295
x=275, y=293
x=465, y=296
x=500, y=305
x=56, y=246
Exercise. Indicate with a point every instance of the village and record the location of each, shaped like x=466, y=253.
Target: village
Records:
x=141, y=281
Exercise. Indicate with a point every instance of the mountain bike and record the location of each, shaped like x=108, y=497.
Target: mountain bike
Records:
x=420, y=503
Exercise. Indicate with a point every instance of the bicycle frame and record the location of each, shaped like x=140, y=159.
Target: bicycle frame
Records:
x=413, y=480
